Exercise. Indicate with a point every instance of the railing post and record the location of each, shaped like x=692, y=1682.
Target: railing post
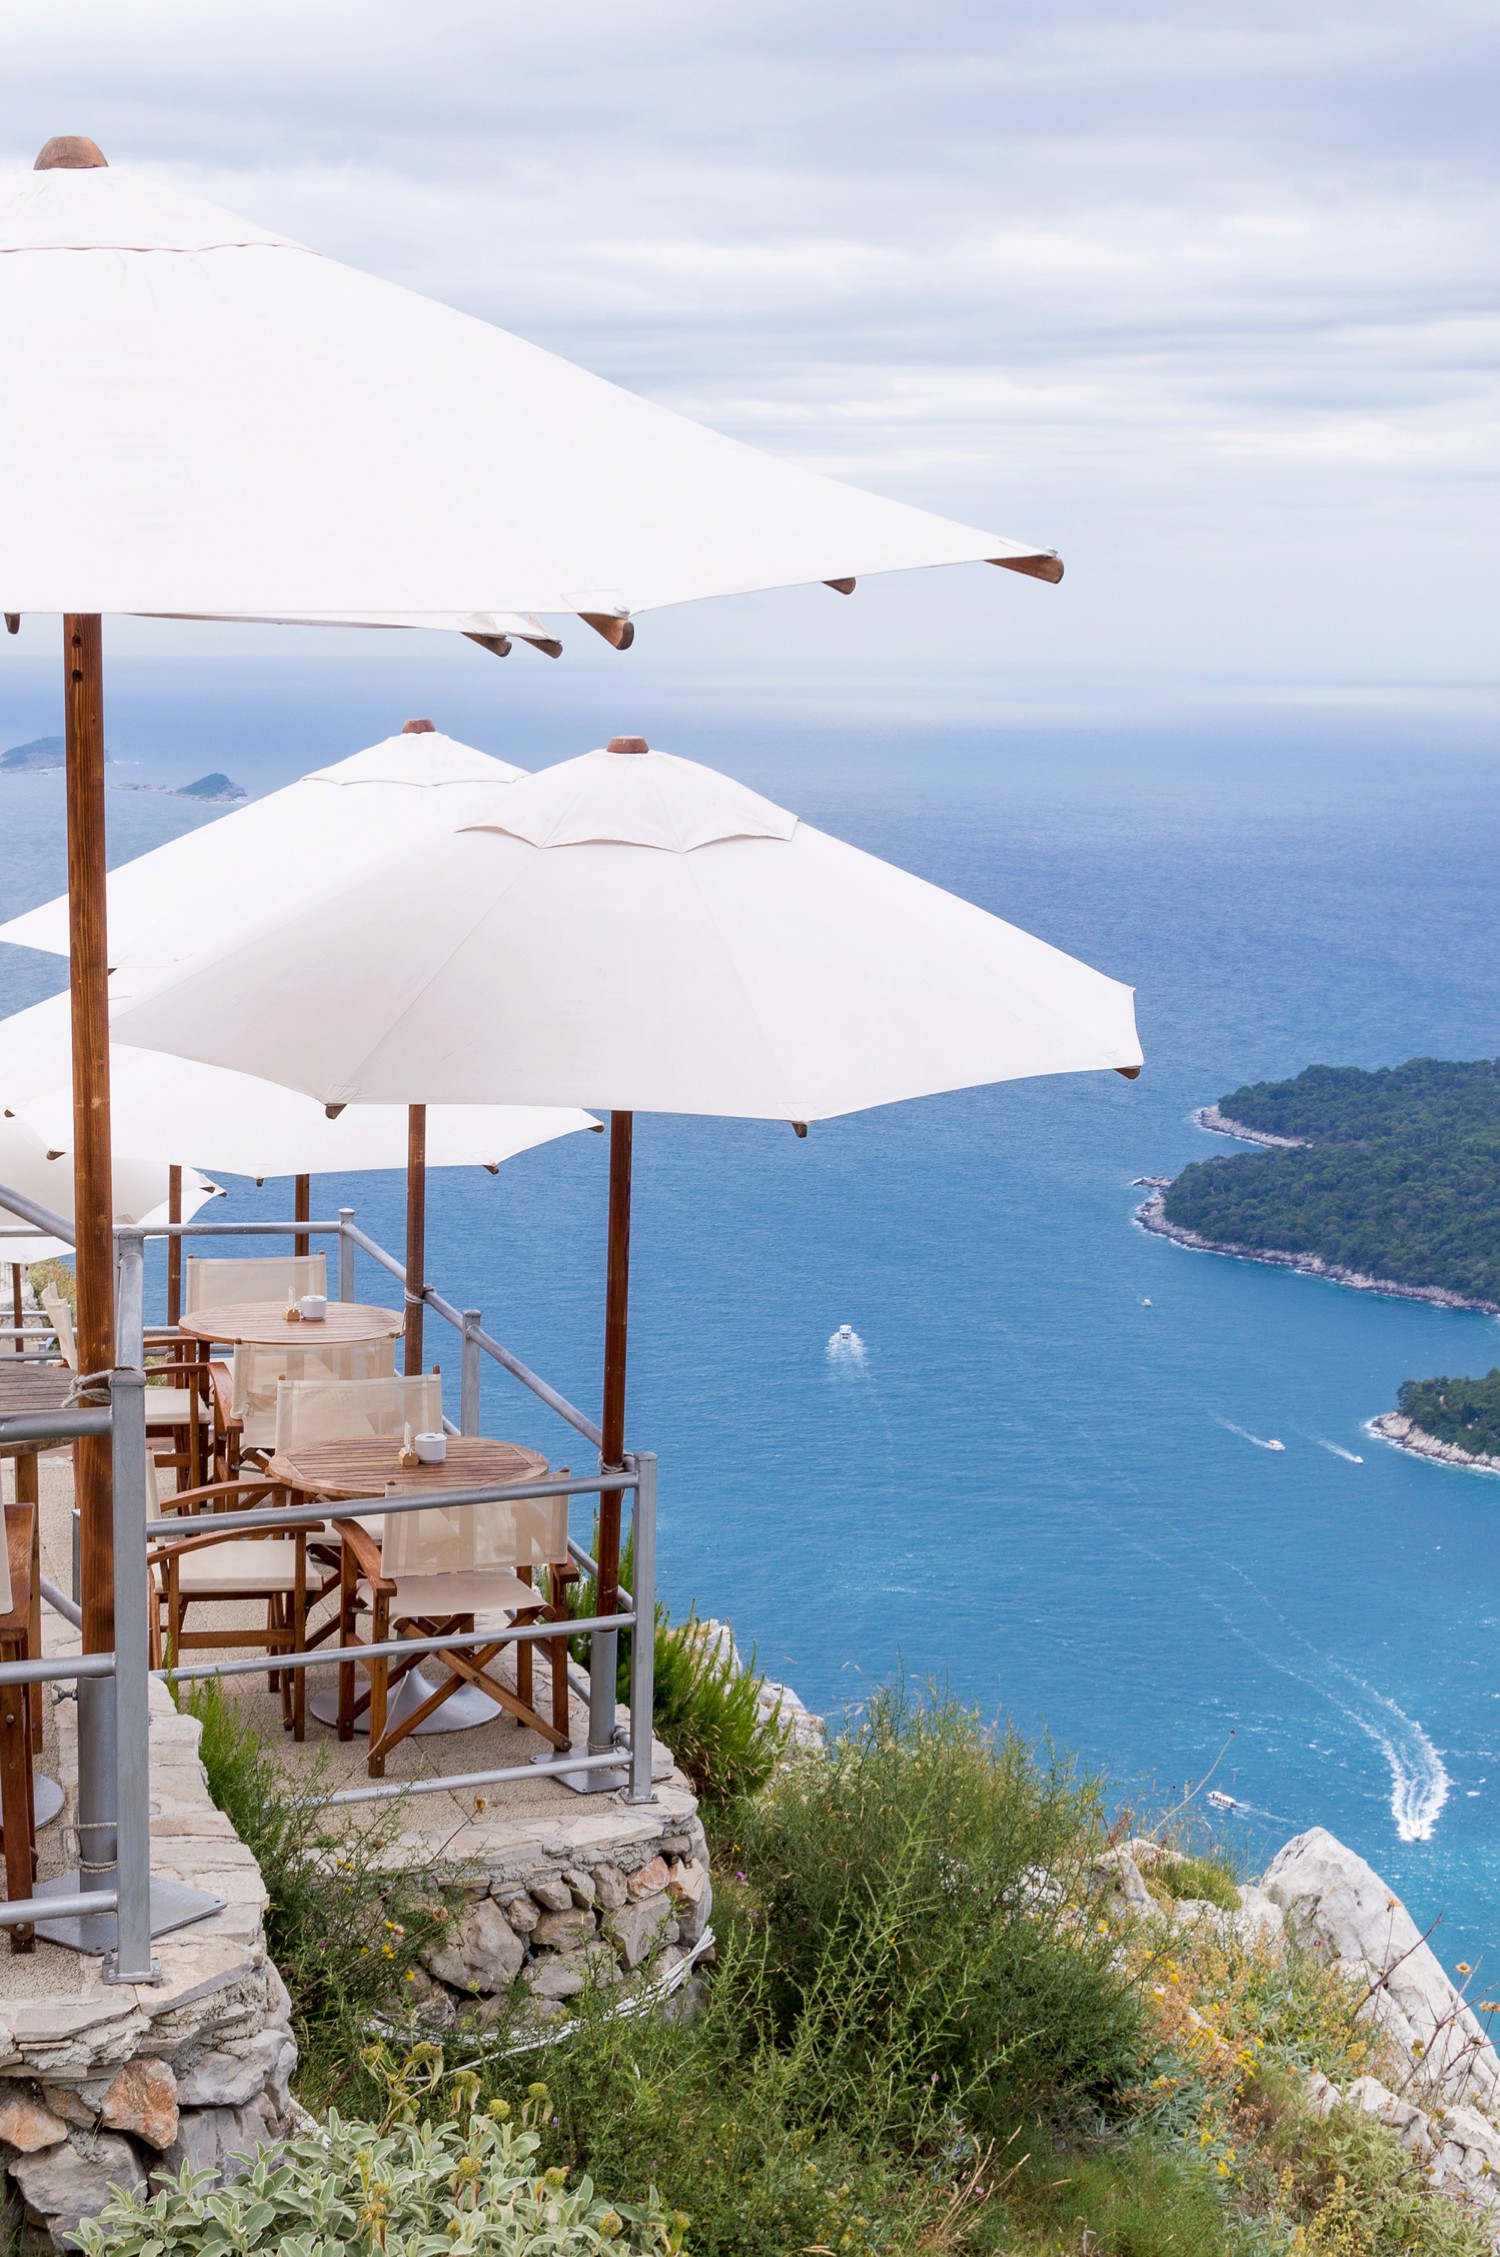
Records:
x=131, y=1961
x=346, y=1255
x=470, y=1369
x=643, y=1637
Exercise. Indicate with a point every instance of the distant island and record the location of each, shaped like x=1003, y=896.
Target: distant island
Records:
x=1388, y=1180
x=214, y=787
x=39, y=758
x=1457, y=1420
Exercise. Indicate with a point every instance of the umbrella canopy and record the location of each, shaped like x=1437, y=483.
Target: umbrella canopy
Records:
x=645, y=934
x=264, y=859
x=270, y=434
x=183, y=1111
x=43, y=1174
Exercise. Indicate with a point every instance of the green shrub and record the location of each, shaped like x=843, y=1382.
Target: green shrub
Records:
x=704, y=1710
x=59, y=1276
x=409, y=2190
x=920, y=1891
x=1136, y=2199
x=1194, y=1877
x=895, y=1990
x=345, y=1922
x=1358, y=2193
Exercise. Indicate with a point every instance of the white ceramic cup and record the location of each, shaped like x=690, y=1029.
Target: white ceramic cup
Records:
x=314, y=1307
x=431, y=1449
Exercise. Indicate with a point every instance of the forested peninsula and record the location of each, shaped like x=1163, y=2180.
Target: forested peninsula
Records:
x=1388, y=1180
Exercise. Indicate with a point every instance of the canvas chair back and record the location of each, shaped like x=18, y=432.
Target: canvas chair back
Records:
x=460, y=1539
x=60, y=1317
x=329, y=1409
x=258, y=1373
x=215, y=1280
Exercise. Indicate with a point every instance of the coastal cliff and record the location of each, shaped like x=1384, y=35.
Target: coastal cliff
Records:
x=1152, y=1216
x=1394, y=1426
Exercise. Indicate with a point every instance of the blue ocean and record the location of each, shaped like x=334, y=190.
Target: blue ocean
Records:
x=1042, y=1474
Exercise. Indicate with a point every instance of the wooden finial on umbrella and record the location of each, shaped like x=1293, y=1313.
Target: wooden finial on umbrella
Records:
x=627, y=744
x=71, y=152
x=418, y=729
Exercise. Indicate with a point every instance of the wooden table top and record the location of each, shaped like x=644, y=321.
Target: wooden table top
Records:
x=264, y=1324
x=25, y=1388
x=362, y=1465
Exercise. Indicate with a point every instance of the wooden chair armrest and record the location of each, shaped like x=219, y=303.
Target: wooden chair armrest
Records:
x=366, y=1555
x=221, y=1379
x=170, y=1547
x=248, y=1489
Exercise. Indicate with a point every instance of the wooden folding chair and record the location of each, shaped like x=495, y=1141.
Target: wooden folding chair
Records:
x=508, y=1540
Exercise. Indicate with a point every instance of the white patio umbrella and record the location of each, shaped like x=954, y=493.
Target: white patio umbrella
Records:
x=42, y=1174
x=641, y=933
x=270, y=434
x=225, y=878
x=263, y=858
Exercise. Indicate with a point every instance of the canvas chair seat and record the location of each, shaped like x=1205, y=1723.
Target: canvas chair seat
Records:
x=433, y=1598
x=244, y=1566
x=175, y=1406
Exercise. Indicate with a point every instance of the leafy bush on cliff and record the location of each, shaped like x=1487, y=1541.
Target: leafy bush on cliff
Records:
x=900, y=1992
x=472, y=2187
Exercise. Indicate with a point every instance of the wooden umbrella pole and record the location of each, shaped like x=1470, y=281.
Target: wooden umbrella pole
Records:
x=416, y=1229
x=93, y=1200
x=301, y=1211
x=174, y=1247
x=616, y=1326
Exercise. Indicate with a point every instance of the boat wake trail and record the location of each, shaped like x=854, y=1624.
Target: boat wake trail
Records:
x=846, y=1347
x=1350, y=1457
x=1420, y=1784
x=1261, y=1441
x=848, y=1360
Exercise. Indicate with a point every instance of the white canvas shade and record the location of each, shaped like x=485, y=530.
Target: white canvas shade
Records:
x=45, y=1175
x=263, y=859
x=639, y=932
x=202, y=417
x=172, y=1110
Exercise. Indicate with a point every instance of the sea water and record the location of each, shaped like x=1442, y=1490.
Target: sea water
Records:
x=1039, y=1469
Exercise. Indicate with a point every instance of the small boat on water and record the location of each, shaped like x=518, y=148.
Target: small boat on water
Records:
x=1273, y=1444
x=1220, y=1800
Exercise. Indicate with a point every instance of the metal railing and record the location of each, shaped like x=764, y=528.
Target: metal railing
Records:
x=114, y=1736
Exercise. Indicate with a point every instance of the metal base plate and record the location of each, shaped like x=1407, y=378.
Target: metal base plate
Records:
x=460, y=1712
x=173, y=1905
x=585, y=1782
x=48, y=1797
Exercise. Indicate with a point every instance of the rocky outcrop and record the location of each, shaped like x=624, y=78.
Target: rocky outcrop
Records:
x=1394, y=1426
x=803, y=1729
x=1337, y=1904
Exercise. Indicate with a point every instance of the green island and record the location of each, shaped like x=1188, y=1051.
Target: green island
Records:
x=1463, y=1413
x=1393, y=1178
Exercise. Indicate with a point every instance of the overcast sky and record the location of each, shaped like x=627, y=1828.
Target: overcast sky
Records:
x=1201, y=294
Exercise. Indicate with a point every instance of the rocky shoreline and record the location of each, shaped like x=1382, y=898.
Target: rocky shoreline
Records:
x=1209, y=1117
x=1394, y=1427
x=1152, y=1216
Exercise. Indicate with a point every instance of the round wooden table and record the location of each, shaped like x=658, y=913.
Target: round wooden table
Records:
x=361, y=1465
x=264, y=1324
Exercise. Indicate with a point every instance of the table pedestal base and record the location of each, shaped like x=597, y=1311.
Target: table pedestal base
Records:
x=460, y=1712
x=48, y=1798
